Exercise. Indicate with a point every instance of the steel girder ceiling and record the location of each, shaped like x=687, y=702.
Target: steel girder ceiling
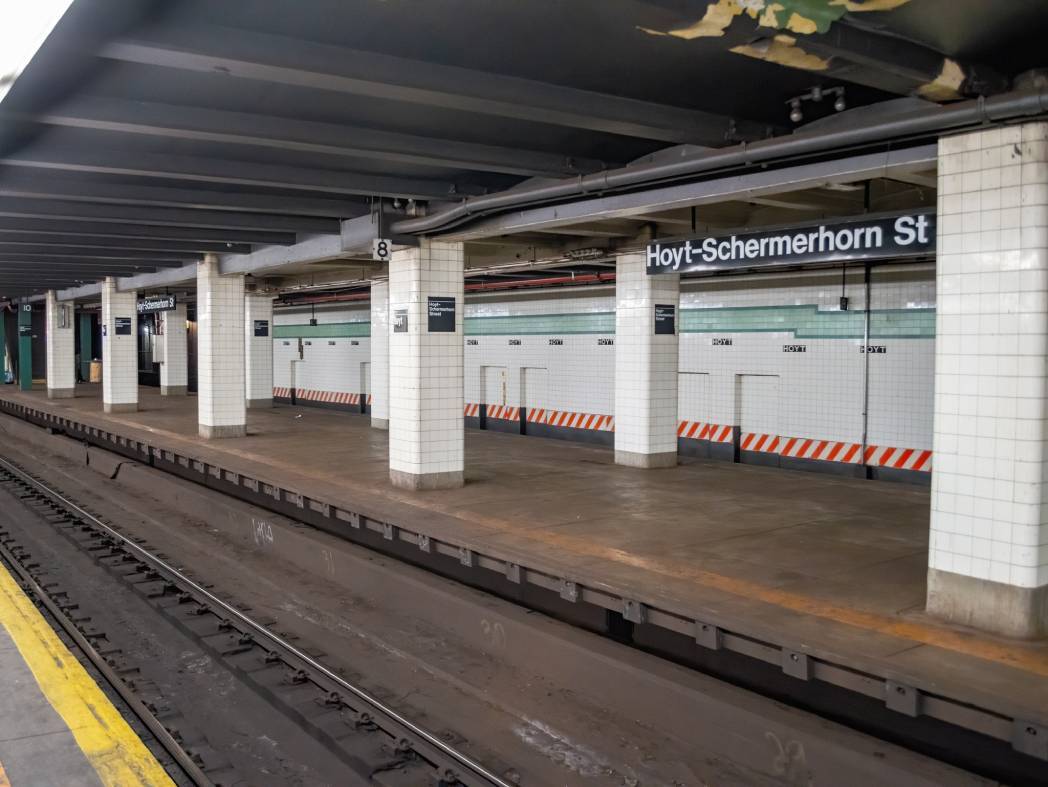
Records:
x=145, y=134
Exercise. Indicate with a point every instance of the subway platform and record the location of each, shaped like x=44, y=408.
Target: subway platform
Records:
x=821, y=576
x=57, y=727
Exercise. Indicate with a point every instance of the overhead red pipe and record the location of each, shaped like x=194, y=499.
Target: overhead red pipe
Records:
x=583, y=278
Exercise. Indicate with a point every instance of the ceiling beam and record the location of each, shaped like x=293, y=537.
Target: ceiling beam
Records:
x=267, y=131
x=308, y=64
x=25, y=240
x=12, y=251
x=62, y=228
x=177, y=217
x=49, y=185
x=924, y=180
x=70, y=157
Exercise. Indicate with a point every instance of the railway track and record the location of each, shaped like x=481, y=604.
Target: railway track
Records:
x=374, y=741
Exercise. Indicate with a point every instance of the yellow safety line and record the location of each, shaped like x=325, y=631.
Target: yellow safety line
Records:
x=114, y=750
x=3, y=777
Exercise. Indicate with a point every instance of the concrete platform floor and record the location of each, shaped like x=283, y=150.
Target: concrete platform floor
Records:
x=805, y=560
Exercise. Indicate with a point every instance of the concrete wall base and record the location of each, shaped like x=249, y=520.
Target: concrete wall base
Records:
x=173, y=390
x=420, y=481
x=379, y=423
x=989, y=606
x=216, y=432
x=120, y=407
x=259, y=404
x=647, y=461
x=61, y=393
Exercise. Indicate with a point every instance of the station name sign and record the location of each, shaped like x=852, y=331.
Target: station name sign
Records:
x=863, y=238
x=156, y=303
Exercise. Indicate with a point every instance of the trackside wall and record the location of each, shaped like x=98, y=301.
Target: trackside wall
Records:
x=772, y=369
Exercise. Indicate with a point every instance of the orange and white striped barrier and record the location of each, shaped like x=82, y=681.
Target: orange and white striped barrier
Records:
x=824, y=450
x=329, y=397
x=697, y=430
x=812, y=448
x=899, y=458
x=503, y=411
x=572, y=420
x=310, y=395
x=471, y=410
x=755, y=441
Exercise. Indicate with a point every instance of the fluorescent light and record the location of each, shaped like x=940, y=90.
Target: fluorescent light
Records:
x=24, y=26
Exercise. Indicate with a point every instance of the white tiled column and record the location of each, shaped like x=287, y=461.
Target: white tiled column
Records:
x=380, y=354
x=988, y=553
x=426, y=440
x=61, y=355
x=119, y=350
x=174, y=356
x=645, y=366
x=220, y=352
x=258, y=353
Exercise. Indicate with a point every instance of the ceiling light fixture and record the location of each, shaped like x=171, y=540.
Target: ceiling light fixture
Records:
x=816, y=95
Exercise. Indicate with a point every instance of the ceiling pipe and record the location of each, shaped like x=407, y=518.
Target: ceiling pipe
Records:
x=982, y=111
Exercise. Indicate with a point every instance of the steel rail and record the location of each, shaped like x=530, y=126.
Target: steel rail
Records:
x=158, y=730
x=463, y=760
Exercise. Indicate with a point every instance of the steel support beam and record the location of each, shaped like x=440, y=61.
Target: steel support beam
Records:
x=280, y=60
x=26, y=251
x=62, y=228
x=9, y=240
x=175, y=217
x=49, y=185
x=68, y=157
x=267, y=131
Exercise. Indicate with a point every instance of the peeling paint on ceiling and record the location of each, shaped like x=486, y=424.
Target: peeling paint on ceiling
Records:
x=783, y=49
x=804, y=17
x=946, y=86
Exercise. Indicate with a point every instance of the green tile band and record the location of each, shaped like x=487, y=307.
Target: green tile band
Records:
x=803, y=322
x=332, y=330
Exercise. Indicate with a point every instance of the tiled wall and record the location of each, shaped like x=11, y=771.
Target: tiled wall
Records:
x=60, y=334
x=426, y=441
x=119, y=352
x=334, y=350
x=220, y=348
x=558, y=353
x=258, y=358
x=991, y=403
x=173, y=344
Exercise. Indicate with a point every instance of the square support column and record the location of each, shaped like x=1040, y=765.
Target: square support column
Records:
x=426, y=439
x=119, y=349
x=380, y=354
x=61, y=355
x=645, y=364
x=86, y=343
x=988, y=551
x=222, y=408
x=3, y=346
x=25, y=346
x=258, y=350
x=174, y=352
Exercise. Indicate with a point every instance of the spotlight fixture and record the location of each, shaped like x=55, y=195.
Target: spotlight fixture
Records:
x=816, y=95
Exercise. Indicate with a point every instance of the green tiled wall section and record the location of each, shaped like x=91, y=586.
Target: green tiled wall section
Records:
x=541, y=324
x=804, y=322
x=807, y=322
x=332, y=330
